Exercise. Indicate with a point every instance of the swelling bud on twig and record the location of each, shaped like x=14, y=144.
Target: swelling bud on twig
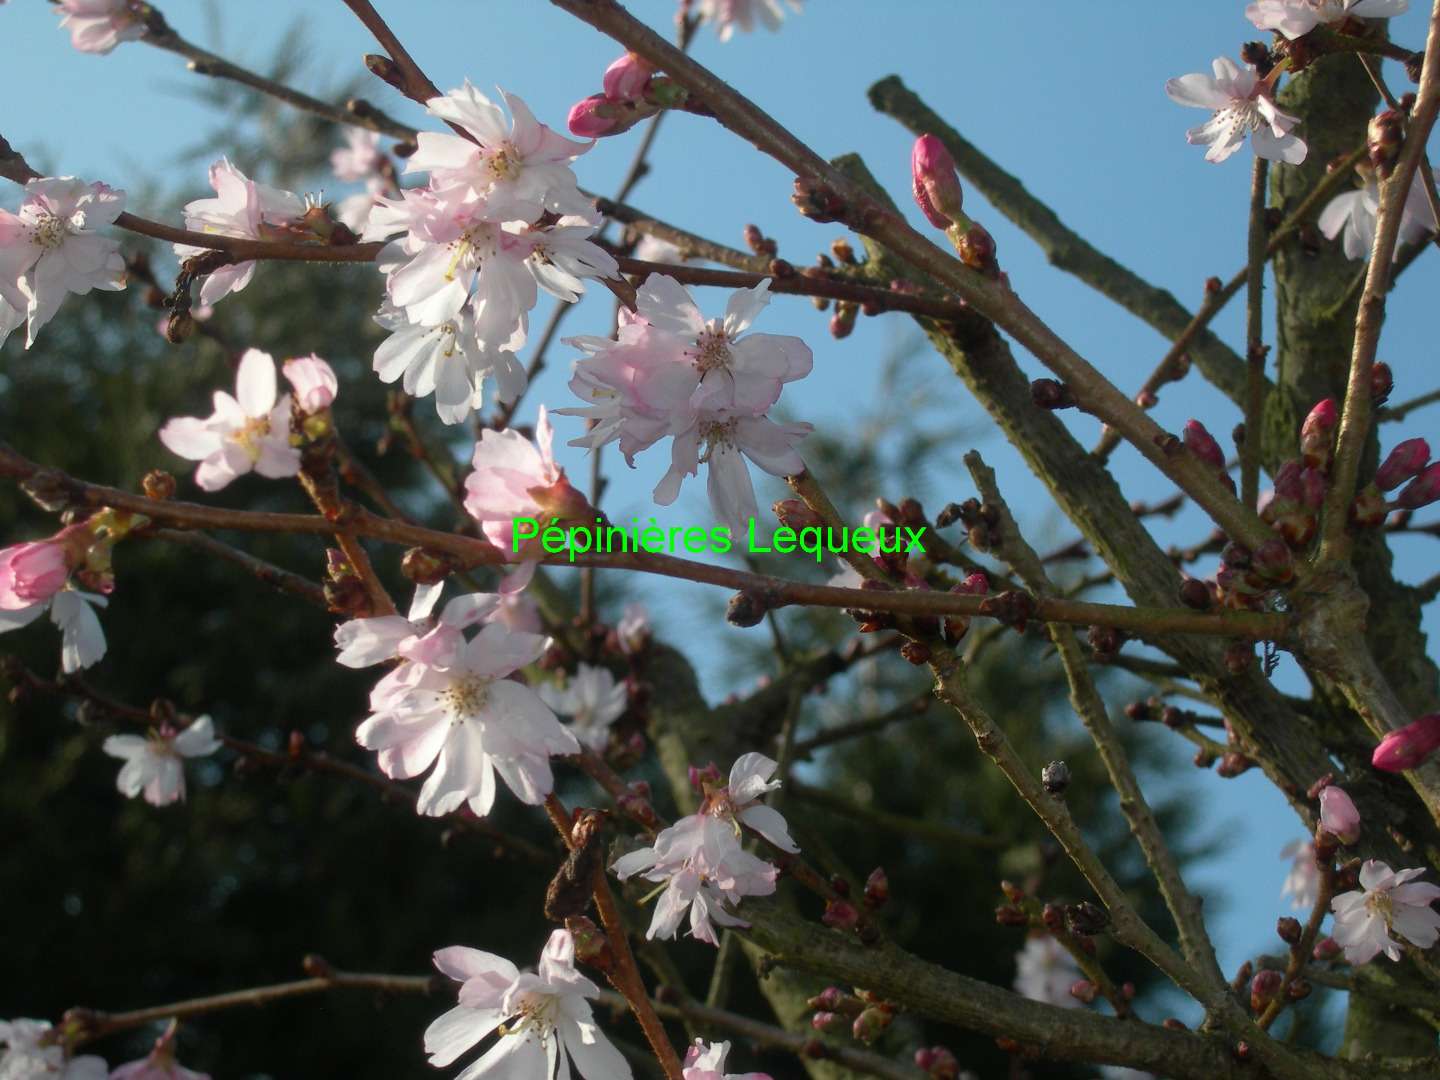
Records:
x=625, y=79
x=1263, y=989
x=1055, y=777
x=1368, y=509
x=1403, y=463
x=1382, y=381
x=1423, y=490
x=1051, y=394
x=1384, y=137
x=877, y=888
x=1085, y=918
x=1202, y=444
x=936, y=183
x=1317, y=435
x=1338, y=814
x=938, y=1061
x=1406, y=747
x=1289, y=929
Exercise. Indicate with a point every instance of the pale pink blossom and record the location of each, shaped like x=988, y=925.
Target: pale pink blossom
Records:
x=1241, y=105
x=728, y=15
x=653, y=249
x=708, y=1063
x=632, y=632
x=467, y=719
x=724, y=444
x=625, y=79
x=33, y=1052
x=313, y=381
x=1389, y=901
x=593, y=700
x=50, y=247
x=32, y=573
x=1338, y=814
x=545, y=1020
x=97, y=26
x=250, y=431
x=521, y=167
x=1295, y=18
x=1302, y=883
x=244, y=208
x=154, y=764
x=82, y=641
x=1045, y=971
x=1352, y=216
x=445, y=360
x=360, y=158
x=510, y=472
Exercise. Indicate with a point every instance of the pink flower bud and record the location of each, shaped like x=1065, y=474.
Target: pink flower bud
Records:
x=938, y=1061
x=1405, y=461
x=1287, y=482
x=1084, y=990
x=1203, y=445
x=1369, y=508
x=871, y=1023
x=877, y=888
x=1317, y=434
x=625, y=79
x=1406, y=747
x=1338, y=815
x=840, y=914
x=937, y=185
x=824, y=1021
x=1326, y=949
x=589, y=119
x=314, y=382
x=1263, y=988
x=32, y=573
x=1312, y=488
x=1421, y=491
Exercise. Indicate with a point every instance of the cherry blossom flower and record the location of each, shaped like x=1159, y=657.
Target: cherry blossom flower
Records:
x=705, y=871
x=1388, y=901
x=653, y=249
x=50, y=247
x=360, y=158
x=154, y=763
x=544, y=1018
x=248, y=431
x=366, y=642
x=245, y=208
x=632, y=632
x=511, y=474
x=626, y=78
x=33, y=572
x=706, y=384
x=1242, y=106
x=1045, y=971
x=1302, y=883
x=445, y=360
x=1295, y=18
x=739, y=801
x=1352, y=215
x=11, y=318
x=97, y=26
x=82, y=641
x=1338, y=814
x=32, y=1052
x=522, y=166
x=593, y=700
x=160, y=1063
x=708, y=1063
x=727, y=15
x=468, y=720
x=313, y=380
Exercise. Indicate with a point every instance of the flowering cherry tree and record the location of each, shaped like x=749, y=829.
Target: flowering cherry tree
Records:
x=682, y=829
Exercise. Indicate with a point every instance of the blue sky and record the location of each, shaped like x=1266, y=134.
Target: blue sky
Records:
x=1079, y=115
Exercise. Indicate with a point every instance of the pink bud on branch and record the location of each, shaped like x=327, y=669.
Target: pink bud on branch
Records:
x=1402, y=463
x=1406, y=747
x=937, y=185
x=1423, y=490
x=625, y=79
x=1338, y=814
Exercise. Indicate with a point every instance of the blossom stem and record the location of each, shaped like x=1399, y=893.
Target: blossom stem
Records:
x=1301, y=951
x=1355, y=418
x=284, y=580
x=92, y=1025
x=1255, y=350
x=356, y=112
x=1184, y=906
x=779, y=592
x=624, y=974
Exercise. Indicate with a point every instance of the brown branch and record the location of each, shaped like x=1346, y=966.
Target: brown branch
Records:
x=935, y=832
x=1355, y=419
x=1405, y=408
x=1254, y=331
x=804, y=748
x=283, y=580
x=777, y=592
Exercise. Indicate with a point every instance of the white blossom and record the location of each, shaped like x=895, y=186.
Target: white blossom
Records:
x=154, y=764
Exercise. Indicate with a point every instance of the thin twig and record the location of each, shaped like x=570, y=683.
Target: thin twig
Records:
x=1254, y=329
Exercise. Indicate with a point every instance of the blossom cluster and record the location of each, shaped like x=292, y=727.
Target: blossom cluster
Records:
x=707, y=385
x=500, y=219
x=700, y=860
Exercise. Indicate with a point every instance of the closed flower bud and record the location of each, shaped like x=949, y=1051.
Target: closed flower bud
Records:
x=1406, y=747
x=1203, y=445
x=314, y=382
x=1338, y=814
x=1194, y=593
x=1382, y=381
x=591, y=945
x=1384, y=136
x=158, y=484
x=1084, y=990
x=592, y=117
x=1289, y=929
x=625, y=79
x=976, y=249
x=831, y=999
x=936, y=183
x=1232, y=764
x=871, y=1023
x=840, y=914
x=938, y=1061
x=826, y=1021
x=1085, y=918
x=877, y=888
x=1263, y=989
x=795, y=514
x=842, y=322
x=1317, y=435
x=1055, y=777
x=745, y=609
x=1051, y=394
x=1423, y=490
x=1407, y=460
x=1273, y=562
